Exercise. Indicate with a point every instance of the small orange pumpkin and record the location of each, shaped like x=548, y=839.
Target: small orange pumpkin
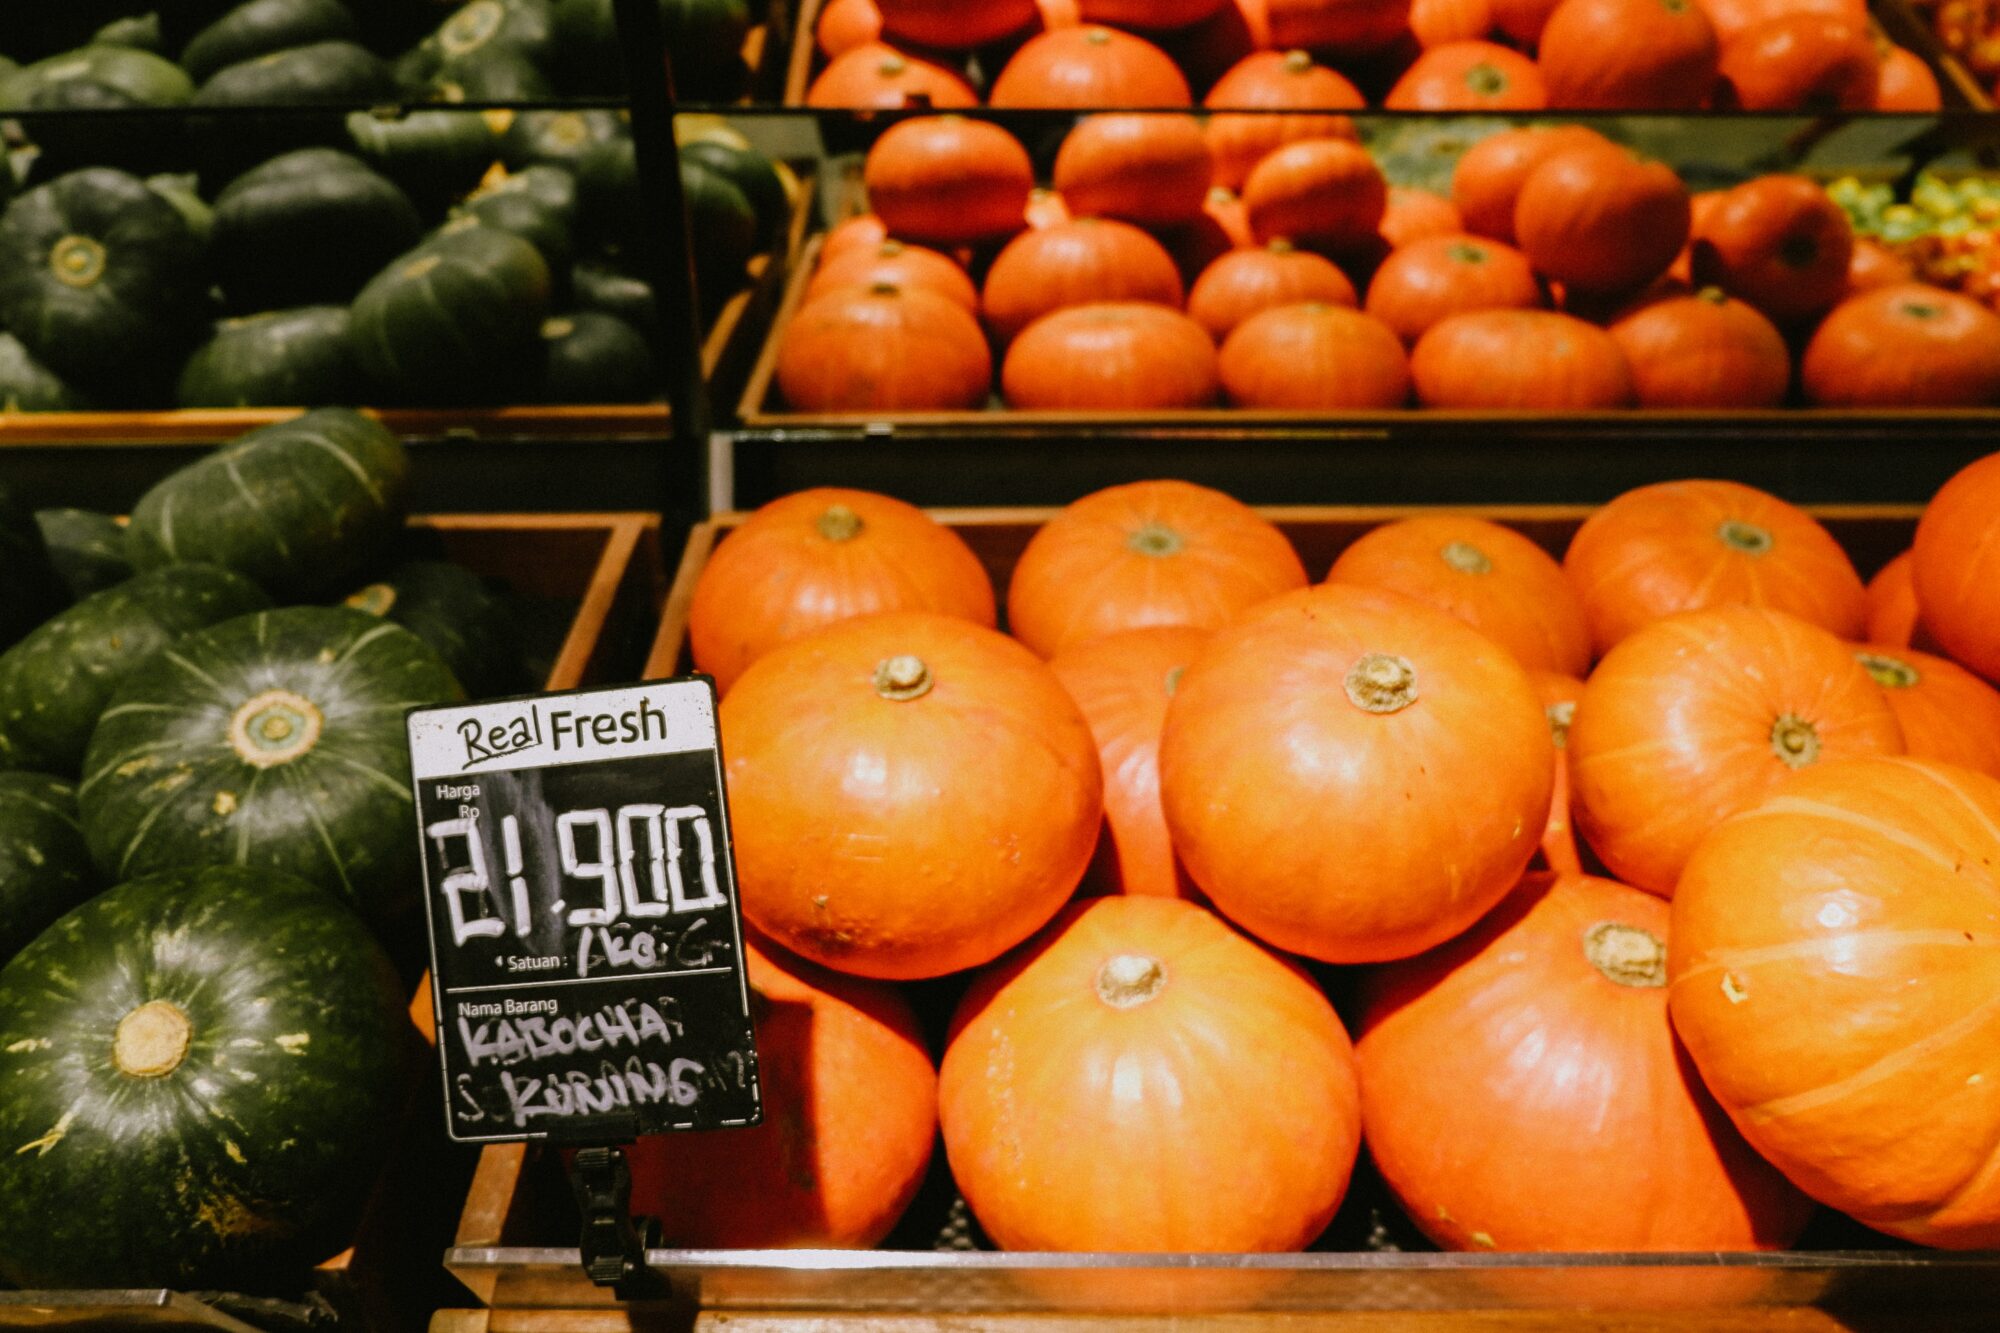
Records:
x=1906, y=83
x=1414, y=215
x=1315, y=357
x=1875, y=265
x=1911, y=345
x=1946, y=713
x=1090, y=68
x=1732, y=17
x=949, y=180
x=1705, y=350
x=1322, y=194
x=1075, y=263
x=846, y=24
x=1800, y=62
x=1223, y=226
x=899, y=265
x=1110, y=356
x=873, y=75
x=1435, y=22
x=1514, y=359
x=1487, y=181
x=1274, y=81
x=861, y=234
x=1893, y=620
x=1152, y=170
x=1777, y=242
x=1629, y=55
x=1243, y=283
x=861, y=349
x=1957, y=566
x=1469, y=76
x=1600, y=220
x=1428, y=280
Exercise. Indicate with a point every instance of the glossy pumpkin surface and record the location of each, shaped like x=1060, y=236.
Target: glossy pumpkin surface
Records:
x=1469, y=76
x=1893, y=618
x=1111, y=356
x=1911, y=345
x=1322, y=194
x=1271, y=81
x=1654, y=55
x=858, y=349
x=1512, y=359
x=1955, y=563
x=1090, y=68
x=874, y=75
x=1151, y=169
x=948, y=180
x=1488, y=178
x=1315, y=357
x=1777, y=242
x=1243, y=283
x=1069, y=263
x=1429, y=280
x=1703, y=350
x=1601, y=220
x=898, y=265
x=1947, y=714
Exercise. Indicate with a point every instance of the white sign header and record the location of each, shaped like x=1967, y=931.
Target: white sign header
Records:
x=664, y=717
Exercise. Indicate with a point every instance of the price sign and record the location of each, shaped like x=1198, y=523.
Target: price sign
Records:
x=586, y=952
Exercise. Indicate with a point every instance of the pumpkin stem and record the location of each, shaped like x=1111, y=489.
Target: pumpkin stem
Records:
x=1626, y=955
x=77, y=261
x=1098, y=36
x=1129, y=980
x=1794, y=740
x=152, y=1040
x=1382, y=683
x=840, y=524
x=1174, y=680
x=902, y=678
x=1712, y=295
x=557, y=327
x=376, y=599
x=1467, y=252
x=1155, y=539
x=891, y=66
x=1466, y=558
x=471, y=28
x=1891, y=673
x=1485, y=80
x=889, y=249
x=1561, y=715
x=274, y=728
x=1281, y=246
x=1298, y=62
x=1746, y=537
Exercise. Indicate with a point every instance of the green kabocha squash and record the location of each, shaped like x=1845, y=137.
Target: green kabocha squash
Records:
x=26, y=385
x=435, y=155
x=44, y=867
x=281, y=358
x=30, y=591
x=704, y=43
x=333, y=71
x=565, y=139
x=538, y=204
x=456, y=320
x=478, y=32
x=54, y=683
x=607, y=291
x=274, y=741
x=183, y=191
x=319, y=202
x=99, y=78
x=204, y=1069
x=467, y=623
x=87, y=549
x=261, y=27
x=595, y=358
x=97, y=272
x=146, y=79
x=300, y=506
x=141, y=32
x=503, y=76
x=751, y=172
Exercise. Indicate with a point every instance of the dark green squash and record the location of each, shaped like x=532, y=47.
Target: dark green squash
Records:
x=261, y=27
x=44, y=867
x=751, y=172
x=26, y=385
x=55, y=682
x=183, y=191
x=281, y=358
x=435, y=155
x=276, y=741
x=323, y=72
x=722, y=228
x=455, y=320
x=318, y=202
x=97, y=272
x=144, y=78
x=596, y=287
x=595, y=358
x=141, y=32
x=563, y=139
x=300, y=506
x=503, y=76
x=87, y=549
x=478, y=31
x=704, y=41
x=538, y=204
x=99, y=78
x=204, y=1072
x=466, y=622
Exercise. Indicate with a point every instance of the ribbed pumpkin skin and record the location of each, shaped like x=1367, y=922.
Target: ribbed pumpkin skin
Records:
x=1909, y=345
x=1906, y=83
x=1276, y=728
x=1111, y=356
x=850, y=1117
x=207, y=755
x=1863, y=890
x=314, y=201
x=1491, y=577
x=946, y=180
x=1070, y=263
x=819, y=556
x=1626, y=55
x=44, y=867
x=1123, y=683
x=281, y=358
x=1323, y=194
x=472, y=628
x=873, y=75
x=858, y=349
x=1469, y=76
x=1948, y=715
x=1152, y=170
x=1600, y=220
x=1315, y=358
x=1502, y=1067
x=1954, y=565
x=1560, y=697
x=954, y=24
x=899, y=265
x=1076, y=1124
x=871, y=833
x=1705, y=350
x=1275, y=81
x=1243, y=283
x=252, y=1154
x=1685, y=545
x=1510, y=359
x=1488, y=178
x=1090, y=68
x=1779, y=243
x=1431, y=279
x=1893, y=617
x=1144, y=554
x=1700, y=716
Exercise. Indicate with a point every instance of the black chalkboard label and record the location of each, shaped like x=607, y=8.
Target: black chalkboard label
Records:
x=586, y=952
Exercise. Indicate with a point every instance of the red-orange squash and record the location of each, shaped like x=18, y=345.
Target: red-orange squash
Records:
x=1123, y=682
x=1243, y=283
x=1488, y=178
x=1876, y=265
x=1429, y=280
x=1152, y=170
x=1629, y=55
x=1777, y=242
x=1514, y=359
x=1700, y=716
x=1143, y=554
x=1315, y=357
x=1342, y=27
x=1414, y=215
x=1892, y=603
x=1469, y=76
x=1687, y=545
x=899, y=265
x=1560, y=696
x=1946, y=713
x=1090, y=68
x=850, y=1109
x=1732, y=17
x=1703, y=350
x=1075, y=263
x=953, y=25
x=1600, y=220
x=1148, y=13
x=1274, y=81
x=1832, y=970
x=846, y=24
x=1223, y=226
x=911, y=794
x=948, y=180
x=1956, y=564
x=861, y=233
x=1910, y=345
x=1435, y=22
x=1906, y=83
x=1523, y=20
x=1111, y=356
x=815, y=557
x=879, y=76
x=862, y=349
x=1322, y=194
x=1394, y=732
x=1491, y=577
x=1800, y=62
x=1148, y=1011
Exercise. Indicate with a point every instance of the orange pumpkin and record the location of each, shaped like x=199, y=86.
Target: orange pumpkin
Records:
x=1435, y=22
x=879, y=76
x=1395, y=733
x=1732, y=17
x=1148, y=13
x=949, y=180
x=1638, y=55
x=1688, y=545
x=899, y=265
x=1700, y=716
x=1213, y=47
x=1523, y=20
x=850, y=1106
x=1909, y=345
x=1315, y=357
x=1832, y=972
x=1906, y=83
x=1492, y=578
x=1152, y=170
x=1088, y=68
x=1560, y=696
x=1469, y=76
x=1323, y=194
x=1705, y=350
x=1274, y=81
x=819, y=556
x=1428, y=280
x=1947, y=714
x=1779, y=243
x=846, y=24
x=1800, y=62
x=1514, y=359
x=1956, y=564
x=1122, y=682
x=931, y=806
x=1534, y=1051
x=1875, y=265
x=1600, y=220
x=1046, y=208
x=883, y=348
x=1488, y=179
x=1223, y=226
x=1892, y=603
x=955, y=25
x=1110, y=356
x=1414, y=215
x=1148, y=553
x=1341, y=27
x=1243, y=283
x=1076, y=263
x=860, y=234
x=1131, y=1011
